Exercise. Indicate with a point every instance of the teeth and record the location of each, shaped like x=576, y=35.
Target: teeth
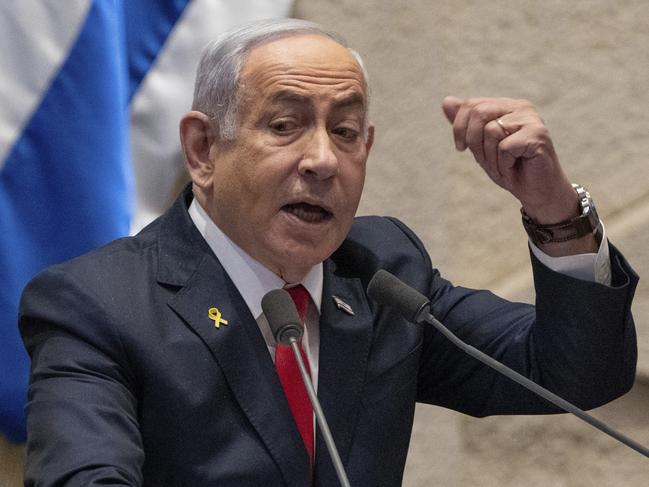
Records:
x=308, y=213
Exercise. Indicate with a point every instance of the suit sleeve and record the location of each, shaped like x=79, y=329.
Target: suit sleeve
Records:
x=578, y=341
x=82, y=412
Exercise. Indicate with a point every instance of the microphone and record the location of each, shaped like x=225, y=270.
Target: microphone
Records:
x=286, y=325
x=388, y=290
x=282, y=316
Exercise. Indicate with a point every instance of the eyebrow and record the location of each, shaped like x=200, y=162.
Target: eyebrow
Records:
x=288, y=96
x=354, y=99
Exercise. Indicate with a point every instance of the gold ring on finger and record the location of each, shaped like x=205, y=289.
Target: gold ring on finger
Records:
x=502, y=126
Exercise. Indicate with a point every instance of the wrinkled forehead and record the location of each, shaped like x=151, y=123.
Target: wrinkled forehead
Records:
x=302, y=60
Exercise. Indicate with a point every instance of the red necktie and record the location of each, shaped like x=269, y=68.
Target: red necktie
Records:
x=289, y=376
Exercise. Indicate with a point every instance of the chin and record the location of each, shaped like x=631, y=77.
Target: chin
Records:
x=306, y=255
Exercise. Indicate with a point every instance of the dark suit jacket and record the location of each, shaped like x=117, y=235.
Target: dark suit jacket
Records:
x=133, y=384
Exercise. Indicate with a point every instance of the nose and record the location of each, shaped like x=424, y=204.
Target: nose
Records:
x=319, y=158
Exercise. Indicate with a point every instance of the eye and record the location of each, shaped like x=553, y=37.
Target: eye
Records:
x=283, y=126
x=346, y=133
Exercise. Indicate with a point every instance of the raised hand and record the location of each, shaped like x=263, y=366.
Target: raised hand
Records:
x=510, y=141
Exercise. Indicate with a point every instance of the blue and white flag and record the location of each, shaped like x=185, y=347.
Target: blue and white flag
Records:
x=91, y=92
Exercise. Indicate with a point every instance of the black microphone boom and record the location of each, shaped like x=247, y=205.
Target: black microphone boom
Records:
x=389, y=290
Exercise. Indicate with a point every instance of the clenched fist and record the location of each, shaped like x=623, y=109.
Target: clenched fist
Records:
x=510, y=141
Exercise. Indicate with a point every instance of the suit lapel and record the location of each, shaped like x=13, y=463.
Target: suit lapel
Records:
x=345, y=341
x=238, y=347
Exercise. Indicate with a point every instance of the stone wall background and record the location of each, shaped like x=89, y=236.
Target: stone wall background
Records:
x=585, y=64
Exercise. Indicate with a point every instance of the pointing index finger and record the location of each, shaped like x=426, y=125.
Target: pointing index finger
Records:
x=451, y=105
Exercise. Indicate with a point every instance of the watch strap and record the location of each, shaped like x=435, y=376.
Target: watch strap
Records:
x=587, y=222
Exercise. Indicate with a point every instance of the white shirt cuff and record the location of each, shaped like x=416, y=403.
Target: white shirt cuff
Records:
x=588, y=267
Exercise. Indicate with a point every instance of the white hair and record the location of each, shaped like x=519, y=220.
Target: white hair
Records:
x=216, y=90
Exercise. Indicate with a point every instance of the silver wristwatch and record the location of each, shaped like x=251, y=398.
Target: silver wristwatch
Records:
x=586, y=222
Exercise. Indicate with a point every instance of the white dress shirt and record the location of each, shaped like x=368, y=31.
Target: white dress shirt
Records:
x=587, y=267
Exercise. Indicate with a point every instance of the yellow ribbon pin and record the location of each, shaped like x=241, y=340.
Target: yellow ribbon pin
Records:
x=215, y=314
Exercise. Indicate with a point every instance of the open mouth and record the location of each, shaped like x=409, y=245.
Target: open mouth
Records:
x=308, y=213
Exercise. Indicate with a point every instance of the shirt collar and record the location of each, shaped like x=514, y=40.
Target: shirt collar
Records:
x=251, y=278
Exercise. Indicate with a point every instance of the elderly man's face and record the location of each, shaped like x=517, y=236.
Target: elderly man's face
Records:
x=286, y=190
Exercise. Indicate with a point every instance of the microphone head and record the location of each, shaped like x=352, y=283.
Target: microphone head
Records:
x=389, y=290
x=282, y=316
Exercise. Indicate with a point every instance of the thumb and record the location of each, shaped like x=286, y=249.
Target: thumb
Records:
x=451, y=105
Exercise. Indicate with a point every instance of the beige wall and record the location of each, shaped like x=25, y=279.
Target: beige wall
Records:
x=585, y=64
x=11, y=464
x=586, y=67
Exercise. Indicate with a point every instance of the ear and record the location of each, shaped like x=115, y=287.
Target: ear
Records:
x=370, y=139
x=197, y=136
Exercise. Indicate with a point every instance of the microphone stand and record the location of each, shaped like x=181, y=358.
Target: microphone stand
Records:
x=322, y=421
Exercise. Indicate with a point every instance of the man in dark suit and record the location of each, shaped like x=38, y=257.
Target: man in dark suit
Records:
x=153, y=364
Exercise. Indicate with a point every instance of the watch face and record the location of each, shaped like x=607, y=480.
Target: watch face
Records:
x=588, y=208
x=593, y=218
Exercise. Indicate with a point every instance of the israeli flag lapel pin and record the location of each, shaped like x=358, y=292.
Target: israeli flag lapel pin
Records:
x=343, y=306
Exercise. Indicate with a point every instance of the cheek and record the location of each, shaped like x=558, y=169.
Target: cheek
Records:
x=237, y=181
x=264, y=171
x=354, y=179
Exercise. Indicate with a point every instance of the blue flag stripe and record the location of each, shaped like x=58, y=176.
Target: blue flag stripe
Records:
x=65, y=183
x=66, y=186
x=148, y=24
